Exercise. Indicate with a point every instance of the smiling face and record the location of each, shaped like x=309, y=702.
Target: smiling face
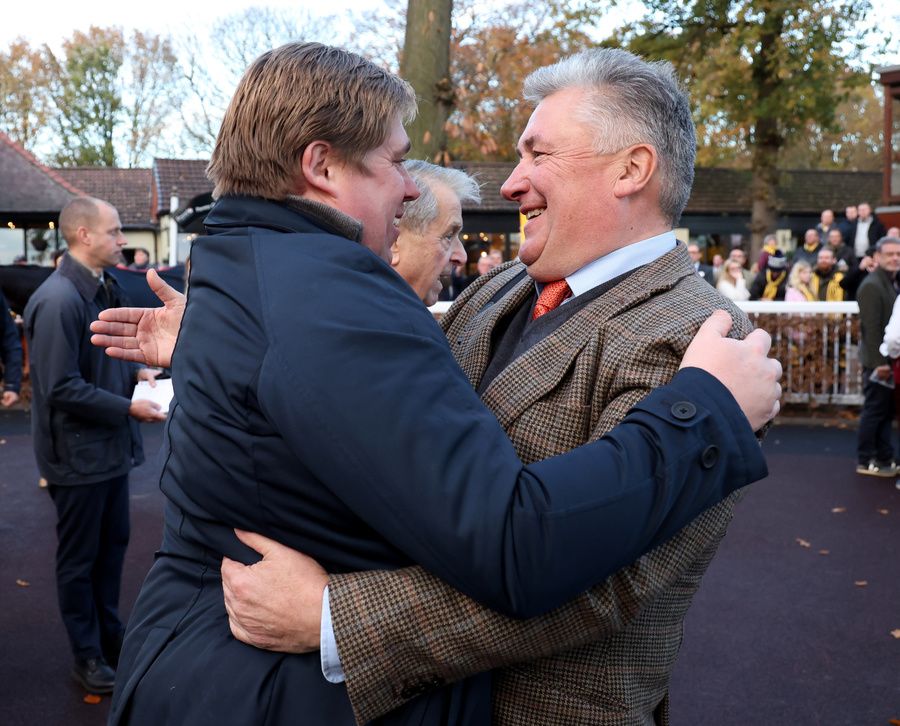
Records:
x=564, y=188
x=423, y=258
x=375, y=193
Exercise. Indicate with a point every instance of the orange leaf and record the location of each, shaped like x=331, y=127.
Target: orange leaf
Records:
x=860, y=583
x=894, y=722
x=23, y=583
x=824, y=552
x=838, y=510
x=92, y=698
x=803, y=542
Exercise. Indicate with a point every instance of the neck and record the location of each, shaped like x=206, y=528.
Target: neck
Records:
x=80, y=256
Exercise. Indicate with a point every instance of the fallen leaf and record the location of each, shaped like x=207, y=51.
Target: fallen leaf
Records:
x=838, y=510
x=803, y=542
x=883, y=511
x=23, y=583
x=824, y=552
x=860, y=583
x=92, y=698
x=896, y=633
x=894, y=722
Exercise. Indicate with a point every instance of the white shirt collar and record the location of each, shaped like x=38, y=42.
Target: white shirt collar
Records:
x=620, y=261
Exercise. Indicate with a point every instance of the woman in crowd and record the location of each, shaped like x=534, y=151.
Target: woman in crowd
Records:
x=731, y=282
x=798, y=283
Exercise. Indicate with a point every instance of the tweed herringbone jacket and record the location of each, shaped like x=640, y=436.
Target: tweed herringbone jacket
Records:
x=604, y=658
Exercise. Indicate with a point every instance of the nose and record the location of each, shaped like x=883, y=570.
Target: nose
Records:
x=517, y=183
x=457, y=253
x=410, y=190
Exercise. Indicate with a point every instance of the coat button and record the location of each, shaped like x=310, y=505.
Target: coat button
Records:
x=709, y=457
x=684, y=410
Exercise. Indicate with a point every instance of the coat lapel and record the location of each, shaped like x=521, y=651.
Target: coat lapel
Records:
x=541, y=368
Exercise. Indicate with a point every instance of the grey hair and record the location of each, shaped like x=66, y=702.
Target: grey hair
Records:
x=631, y=101
x=886, y=241
x=770, y=238
x=422, y=212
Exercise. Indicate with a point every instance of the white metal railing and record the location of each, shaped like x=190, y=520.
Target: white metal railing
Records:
x=816, y=342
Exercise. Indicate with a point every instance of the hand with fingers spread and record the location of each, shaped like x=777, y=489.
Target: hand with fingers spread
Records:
x=275, y=604
x=142, y=335
x=743, y=366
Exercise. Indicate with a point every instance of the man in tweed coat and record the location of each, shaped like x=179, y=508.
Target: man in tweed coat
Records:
x=554, y=382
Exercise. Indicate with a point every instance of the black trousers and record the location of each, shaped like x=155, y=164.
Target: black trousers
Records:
x=874, y=434
x=92, y=530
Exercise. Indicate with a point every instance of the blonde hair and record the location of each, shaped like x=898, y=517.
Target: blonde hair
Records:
x=292, y=96
x=794, y=278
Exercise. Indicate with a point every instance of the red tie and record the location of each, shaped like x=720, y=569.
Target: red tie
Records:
x=551, y=296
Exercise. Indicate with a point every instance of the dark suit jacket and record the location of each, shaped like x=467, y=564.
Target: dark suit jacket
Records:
x=876, y=297
x=876, y=231
x=10, y=350
x=318, y=403
x=605, y=657
x=706, y=272
x=80, y=424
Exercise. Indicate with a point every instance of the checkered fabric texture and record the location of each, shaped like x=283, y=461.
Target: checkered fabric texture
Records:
x=604, y=658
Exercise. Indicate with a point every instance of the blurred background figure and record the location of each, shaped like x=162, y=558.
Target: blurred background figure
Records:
x=799, y=289
x=771, y=281
x=10, y=356
x=731, y=281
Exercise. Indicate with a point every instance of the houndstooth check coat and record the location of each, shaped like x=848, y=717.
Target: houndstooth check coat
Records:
x=604, y=658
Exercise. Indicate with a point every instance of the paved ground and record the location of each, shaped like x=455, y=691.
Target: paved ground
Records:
x=779, y=635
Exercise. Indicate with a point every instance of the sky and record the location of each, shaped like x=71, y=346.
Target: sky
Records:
x=49, y=23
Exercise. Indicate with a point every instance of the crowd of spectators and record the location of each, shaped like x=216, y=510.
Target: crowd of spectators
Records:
x=830, y=264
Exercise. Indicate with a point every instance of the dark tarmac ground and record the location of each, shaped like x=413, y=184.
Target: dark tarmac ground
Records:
x=792, y=626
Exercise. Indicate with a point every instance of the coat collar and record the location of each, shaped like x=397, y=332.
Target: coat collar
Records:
x=294, y=214
x=511, y=393
x=85, y=281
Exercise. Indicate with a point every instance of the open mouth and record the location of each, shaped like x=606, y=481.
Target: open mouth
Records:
x=532, y=213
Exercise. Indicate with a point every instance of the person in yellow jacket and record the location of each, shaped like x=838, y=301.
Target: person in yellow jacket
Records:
x=826, y=280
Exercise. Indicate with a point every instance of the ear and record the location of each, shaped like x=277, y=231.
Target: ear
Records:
x=395, y=253
x=318, y=167
x=638, y=164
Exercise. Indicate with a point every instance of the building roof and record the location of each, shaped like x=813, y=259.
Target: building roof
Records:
x=490, y=175
x=720, y=191
x=29, y=187
x=184, y=177
x=128, y=190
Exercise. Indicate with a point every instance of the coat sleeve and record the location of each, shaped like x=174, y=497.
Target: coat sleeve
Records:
x=397, y=631
x=56, y=328
x=10, y=349
x=378, y=411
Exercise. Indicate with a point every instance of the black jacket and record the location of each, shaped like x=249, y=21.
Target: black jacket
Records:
x=80, y=424
x=876, y=297
x=10, y=350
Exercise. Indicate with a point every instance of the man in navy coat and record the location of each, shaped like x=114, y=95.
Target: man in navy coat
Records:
x=318, y=404
x=86, y=436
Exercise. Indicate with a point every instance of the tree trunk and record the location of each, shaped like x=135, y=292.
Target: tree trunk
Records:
x=767, y=137
x=426, y=65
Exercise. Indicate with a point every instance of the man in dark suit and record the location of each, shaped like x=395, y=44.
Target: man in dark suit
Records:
x=704, y=271
x=300, y=416
x=555, y=381
x=10, y=356
x=86, y=437
x=865, y=231
x=876, y=295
